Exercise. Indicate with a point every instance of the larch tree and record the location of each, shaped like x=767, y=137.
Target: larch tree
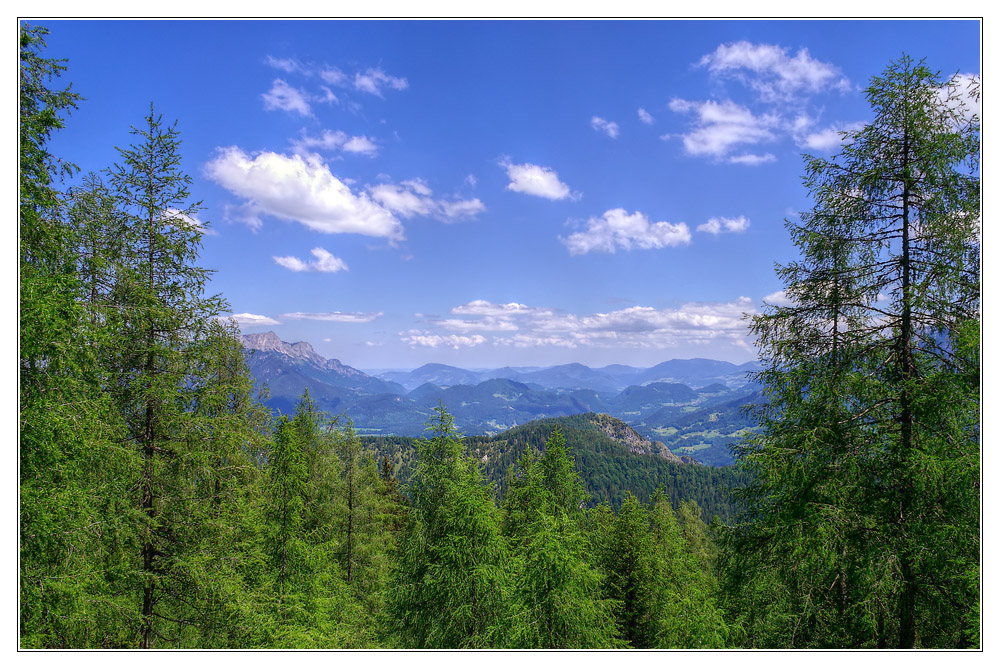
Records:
x=864, y=518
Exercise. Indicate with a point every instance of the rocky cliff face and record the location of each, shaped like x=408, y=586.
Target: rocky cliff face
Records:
x=636, y=443
x=301, y=351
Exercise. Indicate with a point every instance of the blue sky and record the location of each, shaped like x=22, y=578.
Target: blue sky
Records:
x=493, y=193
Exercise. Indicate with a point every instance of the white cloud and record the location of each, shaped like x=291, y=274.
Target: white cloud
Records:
x=374, y=80
x=414, y=198
x=334, y=316
x=535, y=180
x=486, y=308
x=297, y=188
x=420, y=338
x=632, y=327
x=286, y=64
x=637, y=327
x=250, y=319
x=286, y=98
x=325, y=262
x=646, y=117
x=719, y=127
x=171, y=214
x=779, y=299
x=471, y=180
x=328, y=97
x=487, y=324
x=619, y=229
x=292, y=263
x=335, y=140
x=333, y=76
x=752, y=159
x=807, y=136
x=774, y=75
x=961, y=95
x=610, y=128
x=722, y=224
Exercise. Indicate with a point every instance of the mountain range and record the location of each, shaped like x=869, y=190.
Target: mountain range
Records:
x=692, y=406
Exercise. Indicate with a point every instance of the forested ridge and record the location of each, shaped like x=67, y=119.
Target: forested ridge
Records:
x=163, y=506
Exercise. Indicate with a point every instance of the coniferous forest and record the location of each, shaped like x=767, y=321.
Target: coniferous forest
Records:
x=162, y=506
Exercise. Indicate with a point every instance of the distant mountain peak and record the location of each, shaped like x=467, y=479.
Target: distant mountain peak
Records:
x=269, y=341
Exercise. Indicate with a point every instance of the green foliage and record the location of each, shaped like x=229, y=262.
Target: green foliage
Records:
x=850, y=538
x=559, y=590
x=453, y=582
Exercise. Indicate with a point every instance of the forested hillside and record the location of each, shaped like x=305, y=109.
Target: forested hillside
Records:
x=163, y=505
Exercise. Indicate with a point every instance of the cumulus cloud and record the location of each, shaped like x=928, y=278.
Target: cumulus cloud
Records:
x=487, y=308
x=374, y=80
x=420, y=338
x=300, y=188
x=721, y=224
x=535, y=180
x=324, y=262
x=414, y=198
x=335, y=140
x=808, y=136
x=636, y=327
x=610, y=128
x=719, y=127
x=334, y=316
x=631, y=327
x=646, y=117
x=285, y=97
x=771, y=72
x=779, y=299
x=962, y=96
x=250, y=319
x=616, y=228
x=172, y=215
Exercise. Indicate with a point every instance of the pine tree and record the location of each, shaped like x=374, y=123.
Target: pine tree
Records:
x=867, y=465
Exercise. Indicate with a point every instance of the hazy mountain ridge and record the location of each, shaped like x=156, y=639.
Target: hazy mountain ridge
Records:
x=666, y=412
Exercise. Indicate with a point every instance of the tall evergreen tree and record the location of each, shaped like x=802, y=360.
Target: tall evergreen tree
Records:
x=559, y=590
x=452, y=588
x=194, y=452
x=74, y=474
x=864, y=518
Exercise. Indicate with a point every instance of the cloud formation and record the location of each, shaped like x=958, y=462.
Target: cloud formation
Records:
x=535, y=180
x=334, y=316
x=646, y=117
x=251, y=319
x=420, y=338
x=324, y=262
x=609, y=128
x=719, y=127
x=632, y=327
x=616, y=228
x=721, y=224
x=335, y=140
x=414, y=198
x=300, y=188
x=771, y=73
x=285, y=97
x=374, y=80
